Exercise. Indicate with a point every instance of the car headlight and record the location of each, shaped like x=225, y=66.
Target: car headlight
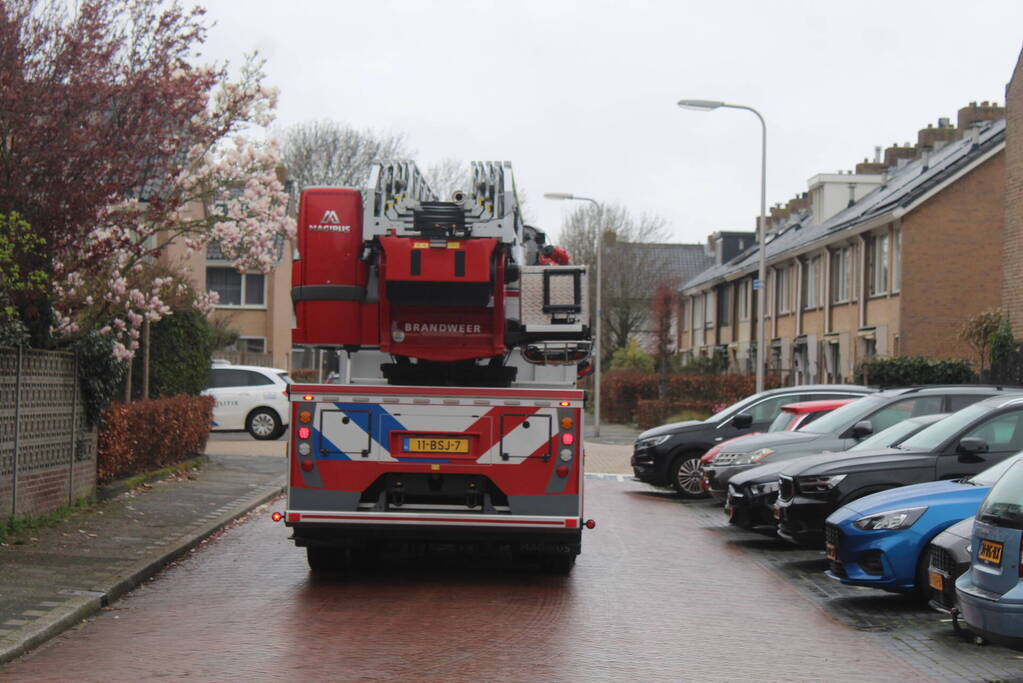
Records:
x=652, y=441
x=890, y=519
x=818, y=484
x=762, y=489
x=751, y=457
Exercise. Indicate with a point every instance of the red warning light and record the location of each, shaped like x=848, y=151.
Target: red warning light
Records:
x=276, y=516
x=303, y=432
x=568, y=438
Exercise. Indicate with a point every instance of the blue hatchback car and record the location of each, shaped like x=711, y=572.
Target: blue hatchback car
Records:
x=991, y=593
x=880, y=541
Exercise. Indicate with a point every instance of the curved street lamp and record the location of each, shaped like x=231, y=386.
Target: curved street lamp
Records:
x=597, y=346
x=711, y=105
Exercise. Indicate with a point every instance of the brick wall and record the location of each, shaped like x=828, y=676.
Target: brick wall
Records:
x=952, y=262
x=1012, y=288
x=47, y=457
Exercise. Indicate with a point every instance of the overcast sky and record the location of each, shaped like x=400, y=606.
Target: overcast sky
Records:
x=580, y=95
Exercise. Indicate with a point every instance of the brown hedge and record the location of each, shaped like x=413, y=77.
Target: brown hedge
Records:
x=631, y=397
x=142, y=436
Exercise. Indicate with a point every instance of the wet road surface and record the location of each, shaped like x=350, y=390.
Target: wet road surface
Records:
x=655, y=596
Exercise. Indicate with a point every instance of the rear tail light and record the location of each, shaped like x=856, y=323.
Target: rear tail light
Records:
x=276, y=516
x=303, y=432
x=568, y=438
x=562, y=471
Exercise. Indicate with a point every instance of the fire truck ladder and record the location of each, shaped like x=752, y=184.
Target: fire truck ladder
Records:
x=399, y=201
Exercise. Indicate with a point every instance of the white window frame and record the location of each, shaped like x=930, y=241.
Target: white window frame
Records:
x=784, y=279
x=245, y=278
x=744, y=300
x=811, y=284
x=840, y=261
x=896, y=261
x=879, y=264
x=241, y=339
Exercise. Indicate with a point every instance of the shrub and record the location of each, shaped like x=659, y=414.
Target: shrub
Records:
x=902, y=372
x=179, y=356
x=147, y=435
x=632, y=358
x=623, y=392
x=100, y=374
x=304, y=375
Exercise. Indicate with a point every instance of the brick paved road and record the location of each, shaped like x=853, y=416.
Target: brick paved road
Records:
x=656, y=596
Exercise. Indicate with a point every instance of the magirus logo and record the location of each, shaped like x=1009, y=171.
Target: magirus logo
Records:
x=330, y=223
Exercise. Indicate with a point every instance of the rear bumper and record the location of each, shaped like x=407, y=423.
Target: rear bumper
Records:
x=997, y=618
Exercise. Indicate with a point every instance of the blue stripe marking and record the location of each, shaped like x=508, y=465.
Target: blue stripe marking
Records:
x=364, y=415
x=320, y=442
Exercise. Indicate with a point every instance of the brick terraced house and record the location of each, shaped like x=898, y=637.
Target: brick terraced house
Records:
x=889, y=260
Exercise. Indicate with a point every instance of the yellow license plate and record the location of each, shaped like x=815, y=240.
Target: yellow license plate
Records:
x=936, y=580
x=433, y=444
x=990, y=553
x=831, y=550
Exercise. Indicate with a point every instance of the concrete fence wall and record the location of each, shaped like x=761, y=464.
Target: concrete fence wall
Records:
x=47, y=455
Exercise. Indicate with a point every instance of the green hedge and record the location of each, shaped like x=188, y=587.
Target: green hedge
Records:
x=902, y=372
x=179, y=356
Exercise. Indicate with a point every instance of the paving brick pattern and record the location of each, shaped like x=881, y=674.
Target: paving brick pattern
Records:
x=659, y=594
x=896, y=623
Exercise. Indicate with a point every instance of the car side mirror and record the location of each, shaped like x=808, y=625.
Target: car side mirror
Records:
x=862, y=428
x=970, y=448
x=742, y=421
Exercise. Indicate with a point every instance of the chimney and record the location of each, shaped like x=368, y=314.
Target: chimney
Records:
x=866, y=167
x=976, y=113
x=894, y=154
x=931, y=138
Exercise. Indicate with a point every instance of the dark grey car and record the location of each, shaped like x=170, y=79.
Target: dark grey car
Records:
x=949, y=557
x=841, y=428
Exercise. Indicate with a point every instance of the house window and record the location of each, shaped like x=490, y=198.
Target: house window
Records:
x=236, y=289
x=840, y=260
x=698, y=311
x=784, y=287
x=811, y=282
x=897, y=261
x=685, y=314
x=251, y=344
x=725, y=309
x=878, y=258
x=708, y=309
x=744, y=300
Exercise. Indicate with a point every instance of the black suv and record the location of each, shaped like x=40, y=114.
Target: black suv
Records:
x=961, y=445
x=669, y=455
x=840, y=429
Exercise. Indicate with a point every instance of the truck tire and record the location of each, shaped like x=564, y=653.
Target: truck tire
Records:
x=263, y=424
x=323, y=560
x=686, y=476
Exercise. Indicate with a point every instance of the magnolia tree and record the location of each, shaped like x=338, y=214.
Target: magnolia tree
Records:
x=148, y=150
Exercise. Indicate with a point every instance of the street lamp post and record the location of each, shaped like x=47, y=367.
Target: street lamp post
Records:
x=599, y=312
x=710, y=105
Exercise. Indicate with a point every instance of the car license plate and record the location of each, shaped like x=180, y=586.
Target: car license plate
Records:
x=831, y=551
x=936, y=580
x=990, y=553
x=433, y=444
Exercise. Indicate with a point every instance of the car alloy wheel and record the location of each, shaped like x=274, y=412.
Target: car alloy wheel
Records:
x=688, y=479
x=263, y=424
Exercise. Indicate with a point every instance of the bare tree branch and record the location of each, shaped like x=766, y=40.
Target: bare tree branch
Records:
x=327, y=153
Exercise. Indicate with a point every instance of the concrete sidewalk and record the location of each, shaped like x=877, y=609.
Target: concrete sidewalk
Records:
x=61, y=575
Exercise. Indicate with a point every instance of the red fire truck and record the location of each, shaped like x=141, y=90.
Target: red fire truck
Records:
x=456, y=418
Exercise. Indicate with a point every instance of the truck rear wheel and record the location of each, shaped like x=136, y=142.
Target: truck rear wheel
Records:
x=323, y=560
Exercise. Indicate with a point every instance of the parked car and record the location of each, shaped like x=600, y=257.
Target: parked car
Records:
x=843, y=428
x=948, y=558
x=880, y=540
x=961, y=445
x=792, y=417
x=669, y=455
x=990, y=594
x=752, y=494
x=250, y=398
